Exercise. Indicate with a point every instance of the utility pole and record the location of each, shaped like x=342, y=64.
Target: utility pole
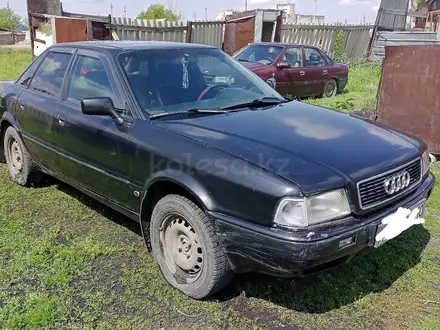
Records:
x=245, y=5
x=111, y=9
x=316, y=11
x=206, y=14
x=9, y=15
x=195, y=16
x=125, y=12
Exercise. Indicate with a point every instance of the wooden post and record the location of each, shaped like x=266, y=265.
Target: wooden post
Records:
x=189, y=29
x=89, y=30
x=50, y=7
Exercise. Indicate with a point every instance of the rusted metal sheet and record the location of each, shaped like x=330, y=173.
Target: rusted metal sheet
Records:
x=239, y=31
x=408, y=94
x=100, y=31
x=70, y=30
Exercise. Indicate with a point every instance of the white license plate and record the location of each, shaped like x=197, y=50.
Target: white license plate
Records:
x=422, y=207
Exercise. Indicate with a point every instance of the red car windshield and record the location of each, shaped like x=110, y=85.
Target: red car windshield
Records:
x=265, y=54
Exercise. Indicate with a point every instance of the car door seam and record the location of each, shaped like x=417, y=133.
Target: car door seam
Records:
x=62, y=154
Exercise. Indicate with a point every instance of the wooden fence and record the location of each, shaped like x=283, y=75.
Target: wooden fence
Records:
x=353, y=39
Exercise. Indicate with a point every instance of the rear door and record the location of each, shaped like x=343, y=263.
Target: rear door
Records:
x=38, y=103
x=292, y=81
x=93, y=148
x=316, y=71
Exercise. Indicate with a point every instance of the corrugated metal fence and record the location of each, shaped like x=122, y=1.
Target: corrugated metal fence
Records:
x=392, y=14
x=402, y=38
x=354, y=39
x=208, y=33
x=140, y=29
x=203, y=32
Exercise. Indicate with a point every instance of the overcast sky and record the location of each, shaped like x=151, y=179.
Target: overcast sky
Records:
x=334, y=10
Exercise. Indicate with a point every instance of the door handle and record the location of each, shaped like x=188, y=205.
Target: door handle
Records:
x=325, y=72
x=61, y=119
x=22, y=105
x=302, y=73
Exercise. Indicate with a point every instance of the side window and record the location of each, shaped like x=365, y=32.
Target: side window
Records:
x=294, y=57
x=313, y=57
x=49, y=77
x=329, y=60
x=90, y=79
x=27, y=75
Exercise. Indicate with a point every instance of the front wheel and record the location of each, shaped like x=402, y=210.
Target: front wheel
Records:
x=330, y=88
x=22, y=168
x=187, y=249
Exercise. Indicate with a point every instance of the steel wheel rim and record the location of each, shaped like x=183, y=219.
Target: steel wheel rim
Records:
x=15, y=156
x=330, y=89
x=181, y=248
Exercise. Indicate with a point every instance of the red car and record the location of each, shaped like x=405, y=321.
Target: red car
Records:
x=295, y=70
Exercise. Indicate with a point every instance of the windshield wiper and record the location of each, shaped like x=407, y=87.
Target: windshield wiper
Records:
x=242, y=60
x=264, y=101
x=189, y=112
x=195, y=110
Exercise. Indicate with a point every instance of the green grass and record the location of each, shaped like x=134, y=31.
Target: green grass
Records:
x=361, y=90
x=13, y=62
x=68, y=262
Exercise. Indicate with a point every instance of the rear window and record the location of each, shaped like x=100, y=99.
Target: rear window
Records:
x=50, y=75
x=25, y=79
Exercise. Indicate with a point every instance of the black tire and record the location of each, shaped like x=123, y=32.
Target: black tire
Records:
x=22, y=167
x=330, y=88
x=214, y=271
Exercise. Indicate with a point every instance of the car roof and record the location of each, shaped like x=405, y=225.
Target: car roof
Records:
x=118, y=46
x=283, y=44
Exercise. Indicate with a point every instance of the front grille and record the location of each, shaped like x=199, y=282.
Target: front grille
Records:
x=372, y=191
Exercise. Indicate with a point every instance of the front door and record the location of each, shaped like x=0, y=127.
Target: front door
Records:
x=291, y=80
x=38, y=103
x=92, y=147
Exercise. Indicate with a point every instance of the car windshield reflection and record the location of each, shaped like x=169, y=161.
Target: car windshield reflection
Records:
x=182, y=79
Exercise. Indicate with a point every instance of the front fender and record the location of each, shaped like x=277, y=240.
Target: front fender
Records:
x=183, y=180
x=8, y=118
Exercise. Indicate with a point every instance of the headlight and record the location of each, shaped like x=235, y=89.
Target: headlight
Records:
x=426, y=162
x=303, y=212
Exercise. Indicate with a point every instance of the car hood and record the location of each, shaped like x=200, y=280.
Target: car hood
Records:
x=316, y=148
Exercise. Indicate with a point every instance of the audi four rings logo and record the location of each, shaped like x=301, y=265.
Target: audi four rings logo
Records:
x=397, y=182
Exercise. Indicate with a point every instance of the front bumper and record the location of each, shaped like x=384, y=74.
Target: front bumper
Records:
x=342, y=84
x=252, y=247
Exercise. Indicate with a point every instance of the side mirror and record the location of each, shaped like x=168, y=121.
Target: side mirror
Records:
x=272, y=82
x=284, y=65
x=101, y=106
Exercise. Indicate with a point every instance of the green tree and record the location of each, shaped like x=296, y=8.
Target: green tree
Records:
x=159, y=12
x=9, y=19
x=417, y=3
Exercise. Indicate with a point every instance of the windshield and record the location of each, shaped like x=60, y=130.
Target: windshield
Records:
x=175, y=80
x=265, y=54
